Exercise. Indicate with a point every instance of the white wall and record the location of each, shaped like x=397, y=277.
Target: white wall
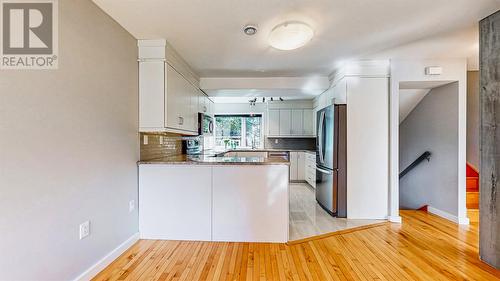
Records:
x=473, y=123
x=68, y=150
x=414, y=70
x=431, y=126
x=239, y=108
x=367, y=147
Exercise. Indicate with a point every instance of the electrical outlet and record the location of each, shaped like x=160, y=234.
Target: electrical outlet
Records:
x=145, y=139
x=276, y=141
x=161, y=139
x=131, y=206
x=84, y=229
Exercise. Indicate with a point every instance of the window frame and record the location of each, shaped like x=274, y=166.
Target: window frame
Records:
x=242, y=115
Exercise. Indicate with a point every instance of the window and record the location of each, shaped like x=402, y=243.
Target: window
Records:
x=239, y=131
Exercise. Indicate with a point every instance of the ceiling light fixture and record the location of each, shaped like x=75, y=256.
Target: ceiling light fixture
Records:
x=250, y=29
x=290, y=35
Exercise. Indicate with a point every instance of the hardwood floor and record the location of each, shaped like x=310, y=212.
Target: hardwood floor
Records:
x=423, y=247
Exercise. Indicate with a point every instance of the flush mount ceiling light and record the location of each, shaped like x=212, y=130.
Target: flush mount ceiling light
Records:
x=290, y=35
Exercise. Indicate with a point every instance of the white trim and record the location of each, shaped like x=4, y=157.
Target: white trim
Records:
x=448, y=216
x=106, y=260
x=412, y=70
x=463, y=221
x=395, y=219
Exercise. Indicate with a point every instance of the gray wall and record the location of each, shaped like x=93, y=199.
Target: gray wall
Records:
x=432, y=126
x=473, y=118
x=489, y=201
x=68, y=150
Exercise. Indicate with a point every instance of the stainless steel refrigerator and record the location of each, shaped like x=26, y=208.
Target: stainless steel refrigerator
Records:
x=331, y=159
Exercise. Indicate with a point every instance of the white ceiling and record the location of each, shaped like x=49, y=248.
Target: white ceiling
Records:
x=292, y=87
x=408, y=100
x=208, y=34
x=463, y=43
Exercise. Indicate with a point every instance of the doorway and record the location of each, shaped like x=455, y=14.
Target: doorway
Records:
x=429, y=147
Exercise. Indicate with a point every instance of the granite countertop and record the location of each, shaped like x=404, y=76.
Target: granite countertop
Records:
x=214, y=160
x=219, y=152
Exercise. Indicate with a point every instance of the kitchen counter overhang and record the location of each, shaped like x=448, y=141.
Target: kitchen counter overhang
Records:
x=215, y=160
x=238, y=201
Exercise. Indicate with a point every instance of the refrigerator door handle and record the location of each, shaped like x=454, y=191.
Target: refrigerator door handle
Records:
x=320, y=137
x=324, y=171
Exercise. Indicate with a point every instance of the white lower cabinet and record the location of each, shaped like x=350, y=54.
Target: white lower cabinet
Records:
x=240, y=203
x=248, y=206
x=293, y=166
x=297, y=164
x=170, y=196
x=310, y=168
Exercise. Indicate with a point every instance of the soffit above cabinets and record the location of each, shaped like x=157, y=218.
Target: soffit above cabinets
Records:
x=209, y=36
x=293, y=87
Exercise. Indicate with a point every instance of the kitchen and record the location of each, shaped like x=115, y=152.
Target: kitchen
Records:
x=106, y=175
x=233, y=153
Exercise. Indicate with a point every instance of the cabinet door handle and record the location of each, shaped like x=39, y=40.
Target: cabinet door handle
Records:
x=181, y=120
x=204, y=108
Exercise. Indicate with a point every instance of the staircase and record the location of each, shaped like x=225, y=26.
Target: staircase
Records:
x=472, y=188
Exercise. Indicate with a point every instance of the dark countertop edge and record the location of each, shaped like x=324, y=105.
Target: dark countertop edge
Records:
x=266, y=150
x=152, y=162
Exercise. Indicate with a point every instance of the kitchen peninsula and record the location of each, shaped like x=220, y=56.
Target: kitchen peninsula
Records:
x=211, y=198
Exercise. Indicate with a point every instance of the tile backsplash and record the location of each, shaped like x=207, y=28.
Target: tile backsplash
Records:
x=290, y=143
x=160, y=145
x=169, y=144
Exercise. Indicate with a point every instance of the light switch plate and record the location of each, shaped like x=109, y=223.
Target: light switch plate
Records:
x=161, y=139
x=276, y=141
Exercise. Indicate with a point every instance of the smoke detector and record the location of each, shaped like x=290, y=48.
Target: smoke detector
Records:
x=250, y=29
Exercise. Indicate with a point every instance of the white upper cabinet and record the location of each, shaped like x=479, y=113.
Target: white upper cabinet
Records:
x=168, y=91
x=181, y=102
x=297, y=126
x=210, y=107
x=285, y=122
x=178, y=101
x=152, y=93
x=273, y=123
x=203, y=103
x=340, y=92
x=289, y=123
x=193, y=109
x=308, y=121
